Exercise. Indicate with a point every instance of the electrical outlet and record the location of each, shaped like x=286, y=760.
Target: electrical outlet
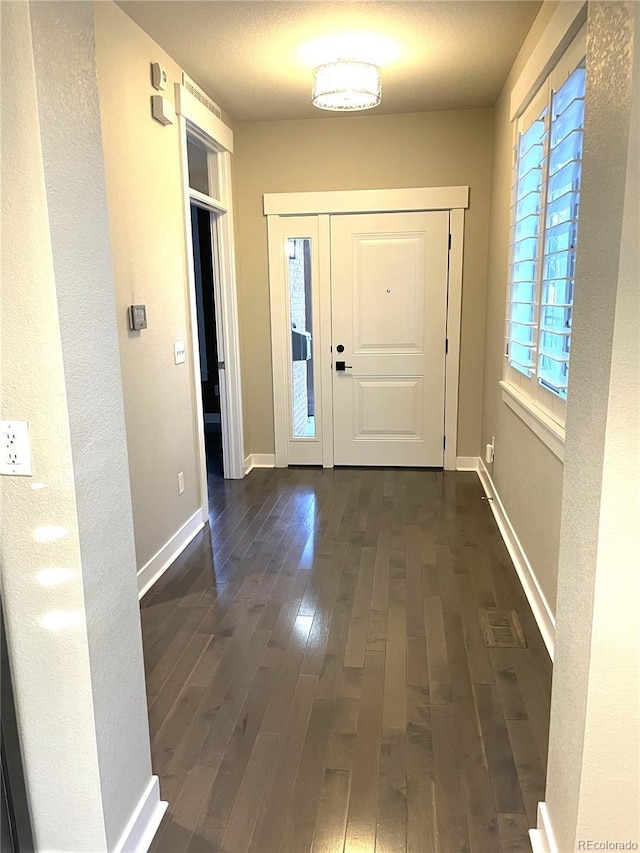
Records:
x=15, y=452
x=181, y=482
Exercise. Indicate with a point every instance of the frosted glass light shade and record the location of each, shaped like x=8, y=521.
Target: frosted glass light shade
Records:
x=346, y=85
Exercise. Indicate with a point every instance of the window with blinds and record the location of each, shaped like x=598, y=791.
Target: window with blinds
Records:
x=544, y=232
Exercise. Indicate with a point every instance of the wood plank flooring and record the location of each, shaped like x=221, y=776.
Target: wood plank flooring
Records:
x=318, y=681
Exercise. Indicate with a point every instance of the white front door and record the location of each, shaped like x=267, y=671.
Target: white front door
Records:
x=389, y=309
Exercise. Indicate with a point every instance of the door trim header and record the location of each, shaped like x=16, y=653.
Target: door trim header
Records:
x=366, y=201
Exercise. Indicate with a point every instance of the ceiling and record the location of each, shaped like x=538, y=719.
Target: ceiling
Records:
x=255, y=57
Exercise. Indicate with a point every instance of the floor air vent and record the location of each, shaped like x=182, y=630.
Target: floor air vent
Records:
x=501, y=629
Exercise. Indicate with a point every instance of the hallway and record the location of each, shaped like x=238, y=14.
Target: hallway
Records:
x=319, y=678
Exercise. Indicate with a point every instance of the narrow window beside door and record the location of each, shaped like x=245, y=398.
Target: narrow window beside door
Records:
x=303, y=424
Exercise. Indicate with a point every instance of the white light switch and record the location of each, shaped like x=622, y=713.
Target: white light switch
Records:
x=179, y=352
x=15, y=458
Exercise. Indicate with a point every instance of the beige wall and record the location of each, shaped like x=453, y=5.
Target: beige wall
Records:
x=527, y=476
x=144, y=190
x=358, y=152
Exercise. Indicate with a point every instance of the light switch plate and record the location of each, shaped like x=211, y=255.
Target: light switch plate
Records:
x=15, y=449
x=179, y=352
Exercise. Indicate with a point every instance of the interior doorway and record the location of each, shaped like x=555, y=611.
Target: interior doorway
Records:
x=203, y=271
x=213, y=348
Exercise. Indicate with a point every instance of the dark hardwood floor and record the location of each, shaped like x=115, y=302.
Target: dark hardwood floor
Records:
x=318, y=680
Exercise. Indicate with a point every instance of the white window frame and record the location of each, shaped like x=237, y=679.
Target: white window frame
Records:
x=560, y=50
x=291, y=449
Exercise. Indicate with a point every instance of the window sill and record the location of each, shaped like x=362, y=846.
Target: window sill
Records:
x=548, y=431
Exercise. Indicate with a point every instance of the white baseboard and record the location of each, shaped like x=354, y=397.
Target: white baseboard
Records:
x=542, y=838
x=541, y=610
x=144, y=821
x=158, y=565
x=467, y=463
x=259, y=460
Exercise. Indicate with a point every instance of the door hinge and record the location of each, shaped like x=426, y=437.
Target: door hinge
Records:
x=449, y=241
x=446, y=346
x=444, y=442
x=221, y=365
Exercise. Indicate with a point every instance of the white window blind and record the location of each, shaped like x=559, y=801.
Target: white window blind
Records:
x=544, y=232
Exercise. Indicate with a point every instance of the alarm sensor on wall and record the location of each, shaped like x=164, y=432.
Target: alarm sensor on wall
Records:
x=162, y=109
x=158, y=77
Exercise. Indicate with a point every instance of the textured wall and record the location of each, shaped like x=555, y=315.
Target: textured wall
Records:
x=592, y=785
x=358, y=152
x=70, y=598
x=33, y=389
x=146, y=214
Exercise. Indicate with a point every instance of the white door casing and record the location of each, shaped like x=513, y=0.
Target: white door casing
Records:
x=292, y=449
x=279, y=207
x=194, y=119
x=389, y=306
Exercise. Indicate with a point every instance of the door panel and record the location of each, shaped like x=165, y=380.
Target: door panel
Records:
x=391, y=324
x=389, y=299
x=388, y=407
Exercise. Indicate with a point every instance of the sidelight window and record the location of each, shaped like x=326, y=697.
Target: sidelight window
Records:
x=303, y=422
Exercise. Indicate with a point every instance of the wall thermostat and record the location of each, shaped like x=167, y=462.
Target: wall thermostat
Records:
x=137, y=317
x=162, y=109
x=158, y=76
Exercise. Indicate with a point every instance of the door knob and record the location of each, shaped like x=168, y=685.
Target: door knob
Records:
x=341, y=366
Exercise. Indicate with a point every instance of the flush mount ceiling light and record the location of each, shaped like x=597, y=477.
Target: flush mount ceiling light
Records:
x=346, y=85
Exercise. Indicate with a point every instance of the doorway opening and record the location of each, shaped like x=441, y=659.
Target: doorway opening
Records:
x=203, y=270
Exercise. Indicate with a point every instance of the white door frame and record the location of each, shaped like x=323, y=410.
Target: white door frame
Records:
x=194, y=119
x=279, y=229
x=322, y=204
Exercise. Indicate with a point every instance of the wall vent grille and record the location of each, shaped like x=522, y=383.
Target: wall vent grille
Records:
x=197, y=92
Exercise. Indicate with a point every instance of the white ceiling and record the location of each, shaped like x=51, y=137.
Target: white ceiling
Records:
x=255, y=57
